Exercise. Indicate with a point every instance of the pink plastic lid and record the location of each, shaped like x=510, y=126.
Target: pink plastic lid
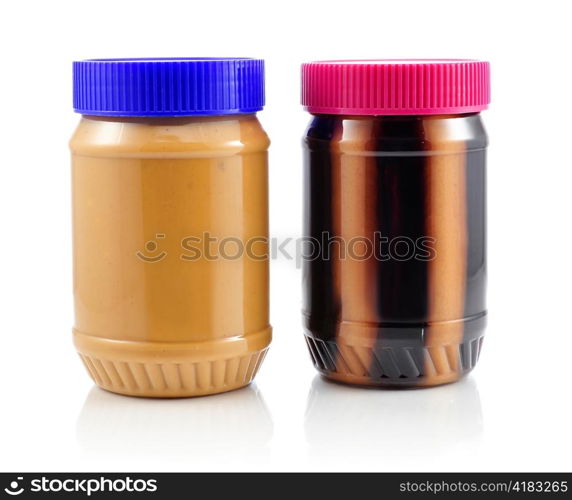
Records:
x=396, y=86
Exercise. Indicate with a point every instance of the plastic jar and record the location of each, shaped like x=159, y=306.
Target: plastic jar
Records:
x=170, y=224
x=395, y=206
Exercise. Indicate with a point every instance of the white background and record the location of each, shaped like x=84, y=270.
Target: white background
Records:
x=512, y=414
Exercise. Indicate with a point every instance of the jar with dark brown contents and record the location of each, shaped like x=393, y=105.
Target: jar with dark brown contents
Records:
x=394, y=227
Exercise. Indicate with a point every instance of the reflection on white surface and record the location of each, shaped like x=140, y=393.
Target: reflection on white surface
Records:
x=114, y=425
x=389, y=424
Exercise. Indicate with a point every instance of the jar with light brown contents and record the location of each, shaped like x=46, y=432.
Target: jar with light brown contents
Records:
x=170, y=224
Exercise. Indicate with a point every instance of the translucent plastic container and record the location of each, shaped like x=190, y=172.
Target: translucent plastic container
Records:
x=395, y=205
x=169, y=182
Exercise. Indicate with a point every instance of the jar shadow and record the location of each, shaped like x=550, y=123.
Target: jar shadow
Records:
x=224, y=425
x=393, y=427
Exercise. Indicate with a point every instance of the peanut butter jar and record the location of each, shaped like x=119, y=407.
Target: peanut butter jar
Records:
x=395, y=217
x=170, y=224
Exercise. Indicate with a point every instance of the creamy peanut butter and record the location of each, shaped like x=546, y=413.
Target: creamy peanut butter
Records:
x=170, y=228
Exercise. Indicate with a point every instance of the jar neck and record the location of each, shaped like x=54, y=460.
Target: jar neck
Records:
x=170, y=120
x=401, y=133
x=395, y=117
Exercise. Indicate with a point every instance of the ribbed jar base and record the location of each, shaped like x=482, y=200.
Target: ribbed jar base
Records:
x=172, y=370
x=393, y=364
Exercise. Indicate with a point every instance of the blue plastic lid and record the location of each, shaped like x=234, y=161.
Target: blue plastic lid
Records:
x=168, y=86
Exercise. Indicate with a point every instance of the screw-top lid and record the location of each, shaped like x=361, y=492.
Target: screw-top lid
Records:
x=396, y=87
x=168, y=86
